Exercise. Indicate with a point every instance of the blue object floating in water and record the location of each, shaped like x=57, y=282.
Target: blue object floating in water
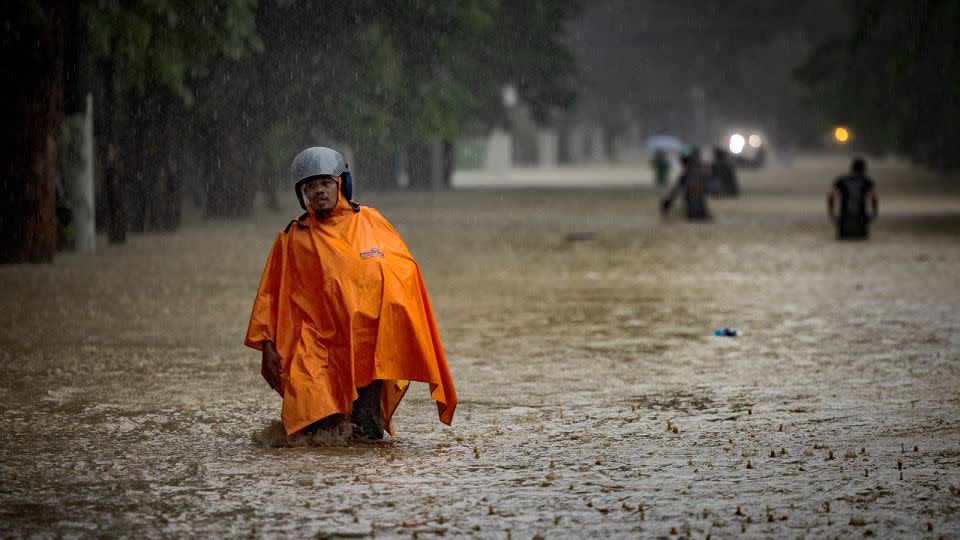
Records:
x=726, y=332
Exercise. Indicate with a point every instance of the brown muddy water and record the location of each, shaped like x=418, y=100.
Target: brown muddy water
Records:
x=595, y=400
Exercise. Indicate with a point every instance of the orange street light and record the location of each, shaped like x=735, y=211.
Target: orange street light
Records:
x=841, y=134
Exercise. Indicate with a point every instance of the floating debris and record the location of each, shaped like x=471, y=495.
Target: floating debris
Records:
x=580, y=237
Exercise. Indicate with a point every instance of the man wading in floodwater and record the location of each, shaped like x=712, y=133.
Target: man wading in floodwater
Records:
x=693, y=185
x=854, y=190
x=342, y=316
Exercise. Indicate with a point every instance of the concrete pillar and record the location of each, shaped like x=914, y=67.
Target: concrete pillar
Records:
x=400, y=167
x=436, y=164
x=78, y=177
x=499, y=152
x=597, y=145
x=577, y=141
x=547, y=148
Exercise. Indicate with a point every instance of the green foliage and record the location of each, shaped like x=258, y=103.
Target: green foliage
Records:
x=171, y=42
x=256, y=81
x=364, y=71
x=24, y=14
x=895, y=78
x=407, y=71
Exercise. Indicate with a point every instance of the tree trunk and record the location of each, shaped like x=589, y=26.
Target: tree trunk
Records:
x=431, y=164
x=33, y=98
x=230, y=185
x=134, y=150
x=172, y=195
x=161, y=188
x=449, y=162
x=174, y=158
x=116, y=196
x=375, y=169
x=114, y=179
x=418, y=163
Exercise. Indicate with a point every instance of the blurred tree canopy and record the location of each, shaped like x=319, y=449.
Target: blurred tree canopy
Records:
x=227, y=91
x=373, y=75
x=170, y=42
x=894, y=77
x=642, y=60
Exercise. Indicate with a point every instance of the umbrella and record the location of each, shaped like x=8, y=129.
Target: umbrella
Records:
x=665, y=142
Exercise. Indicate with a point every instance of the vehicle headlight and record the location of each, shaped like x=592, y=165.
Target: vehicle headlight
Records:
x=736, y=143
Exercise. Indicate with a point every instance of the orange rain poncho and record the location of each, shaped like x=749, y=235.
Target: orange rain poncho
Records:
x=345, y=304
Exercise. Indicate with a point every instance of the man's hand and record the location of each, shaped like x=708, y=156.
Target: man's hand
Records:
x=270, y=365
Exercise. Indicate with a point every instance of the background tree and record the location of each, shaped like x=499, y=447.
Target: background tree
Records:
x=641, y=60
x=32, y=45
x=225, y=92
x=894, y=76
x=375, y=76
x=153, y=55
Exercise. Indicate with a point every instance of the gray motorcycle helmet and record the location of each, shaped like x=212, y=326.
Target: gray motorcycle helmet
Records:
x=318, y=161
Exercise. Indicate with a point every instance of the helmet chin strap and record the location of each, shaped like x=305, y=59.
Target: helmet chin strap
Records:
x=301, y=198
x=346, y=184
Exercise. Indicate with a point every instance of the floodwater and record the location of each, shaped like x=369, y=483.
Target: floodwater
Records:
x=578, y=325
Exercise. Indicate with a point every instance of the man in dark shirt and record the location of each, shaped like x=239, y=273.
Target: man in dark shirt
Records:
x=692, y=183
x=724, y=177
x=854, y=190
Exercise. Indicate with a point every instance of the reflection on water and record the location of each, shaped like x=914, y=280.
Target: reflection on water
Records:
x=595, y=399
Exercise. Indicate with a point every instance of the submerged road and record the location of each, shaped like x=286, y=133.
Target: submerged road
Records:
x=578, y=324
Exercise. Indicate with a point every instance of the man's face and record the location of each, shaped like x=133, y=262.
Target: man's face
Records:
x=321, y=194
